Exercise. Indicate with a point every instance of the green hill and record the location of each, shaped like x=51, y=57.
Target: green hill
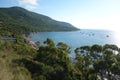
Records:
x=18, y=19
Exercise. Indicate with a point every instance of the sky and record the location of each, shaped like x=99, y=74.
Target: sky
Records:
x=84, y=14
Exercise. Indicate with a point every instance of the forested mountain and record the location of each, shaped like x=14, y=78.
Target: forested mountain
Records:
x=17, y=19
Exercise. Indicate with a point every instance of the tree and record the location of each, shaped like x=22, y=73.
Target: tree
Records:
x=115, y=68
x=49, y=43
x=63, y=47
x=55, y=57
x=96, y=52
x=95, y=60
x=110, y=47
x=83, y=62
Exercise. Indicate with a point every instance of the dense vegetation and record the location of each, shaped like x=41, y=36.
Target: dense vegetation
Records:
x=20, y=61
x=19, y=20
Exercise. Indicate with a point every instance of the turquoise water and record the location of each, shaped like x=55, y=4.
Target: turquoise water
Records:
x=77, y=38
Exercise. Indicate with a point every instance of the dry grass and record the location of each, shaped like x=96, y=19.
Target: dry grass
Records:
x=10, y=70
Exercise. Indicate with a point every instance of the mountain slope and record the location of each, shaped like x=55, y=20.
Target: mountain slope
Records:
x=20, y=20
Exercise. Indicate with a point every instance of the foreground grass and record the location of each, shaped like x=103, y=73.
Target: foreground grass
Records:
x=9, y=70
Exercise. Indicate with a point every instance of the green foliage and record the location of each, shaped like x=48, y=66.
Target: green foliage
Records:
x=7, y=45
x=4, y=30
x=56, y=60
x=96, y=60
x=24, y=49
x=41, y=77
x=19, y=61
x=49, y=42
x=9, y=70
x=0, y=43
x=50, y=62
x=63, y=47
x=18, y=21
x=92, y=77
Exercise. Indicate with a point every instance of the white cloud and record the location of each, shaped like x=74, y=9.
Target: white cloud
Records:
x=29, y=4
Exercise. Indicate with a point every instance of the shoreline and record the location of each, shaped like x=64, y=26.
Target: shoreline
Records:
x=32, y=43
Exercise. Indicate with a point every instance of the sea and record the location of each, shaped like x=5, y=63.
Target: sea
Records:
x=76, y=39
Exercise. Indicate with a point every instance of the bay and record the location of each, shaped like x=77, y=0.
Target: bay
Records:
x=79, y=38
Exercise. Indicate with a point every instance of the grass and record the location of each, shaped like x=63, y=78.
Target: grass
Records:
x=9, y=70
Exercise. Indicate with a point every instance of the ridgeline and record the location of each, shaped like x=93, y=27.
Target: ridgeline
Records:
x=20, y=20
